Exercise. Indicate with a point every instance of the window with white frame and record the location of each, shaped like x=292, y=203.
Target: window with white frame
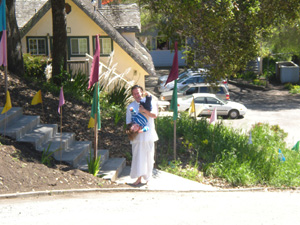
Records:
x=78, y=46
x=37, y=45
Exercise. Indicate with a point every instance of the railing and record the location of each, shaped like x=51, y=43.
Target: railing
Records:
x=78, y=66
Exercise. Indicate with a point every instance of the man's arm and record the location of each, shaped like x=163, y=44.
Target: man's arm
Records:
x=152, y=114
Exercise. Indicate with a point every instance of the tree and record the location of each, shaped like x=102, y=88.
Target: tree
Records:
x=224, y=32
x=59, y=54
x=14, y=47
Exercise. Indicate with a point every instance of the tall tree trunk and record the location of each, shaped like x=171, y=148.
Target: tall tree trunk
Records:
x=59, y=55
x=14, y=48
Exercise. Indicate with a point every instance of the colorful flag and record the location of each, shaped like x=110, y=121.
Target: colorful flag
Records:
x=173, y=105
x=296, y=146
x=213, y=117
x=61, y=99
x=250, y=139
x=37, y=98
x=7, y=104
x=2, y=15
x=174, y=70
x=3, y=37
x=96, y=107
x=91, y=123
x=94, y=75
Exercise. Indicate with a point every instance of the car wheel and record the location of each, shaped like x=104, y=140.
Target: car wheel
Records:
x=233, y=114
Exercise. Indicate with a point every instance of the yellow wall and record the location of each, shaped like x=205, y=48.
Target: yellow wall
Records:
x=80, y=24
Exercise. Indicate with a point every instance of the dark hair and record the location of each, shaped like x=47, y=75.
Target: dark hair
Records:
x=136, y=86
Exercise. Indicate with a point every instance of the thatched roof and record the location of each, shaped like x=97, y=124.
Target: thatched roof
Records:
x=123, y=17
x=25, y=9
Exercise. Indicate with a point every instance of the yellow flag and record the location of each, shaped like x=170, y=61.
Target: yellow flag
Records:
x=37, y=98
x=192, y=107
x=7, y=104
x=91, y=123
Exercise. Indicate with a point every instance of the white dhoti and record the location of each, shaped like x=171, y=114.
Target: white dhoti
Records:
x=142, y=160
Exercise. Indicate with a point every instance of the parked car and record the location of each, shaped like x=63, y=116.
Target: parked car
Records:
x=208, y=102
x=163, y=79
x=219, y=90
x=186, y=79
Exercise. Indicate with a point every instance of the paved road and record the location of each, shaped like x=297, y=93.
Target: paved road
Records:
x=276, y=107
x=157, y=208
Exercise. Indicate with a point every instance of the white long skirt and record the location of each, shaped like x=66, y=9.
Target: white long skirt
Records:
x=142, y=160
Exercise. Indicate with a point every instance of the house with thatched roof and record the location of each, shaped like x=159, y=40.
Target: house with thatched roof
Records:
x=116, y=24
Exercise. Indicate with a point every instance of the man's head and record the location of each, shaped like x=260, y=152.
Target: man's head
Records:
x=137, y=92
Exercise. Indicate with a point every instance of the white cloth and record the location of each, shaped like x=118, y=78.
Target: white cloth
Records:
x=143, y=146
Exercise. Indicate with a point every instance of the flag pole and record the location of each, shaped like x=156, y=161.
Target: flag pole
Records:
x=60, y=146
x=175, y=140
x=194, y=109
x=96, y=125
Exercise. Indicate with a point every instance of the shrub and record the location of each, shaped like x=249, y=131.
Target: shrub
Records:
x=35, y=67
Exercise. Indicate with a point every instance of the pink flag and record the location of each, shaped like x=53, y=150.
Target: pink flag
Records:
x=213, y=117
x=61, y=99
x=3, y=49
x=94, y=75
x=174, y=70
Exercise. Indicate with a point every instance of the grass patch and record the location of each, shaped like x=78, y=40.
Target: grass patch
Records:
x=222, y=152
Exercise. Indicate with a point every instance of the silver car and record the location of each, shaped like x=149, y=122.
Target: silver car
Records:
x=162, y=79
x=219, y=90
x=206, y=103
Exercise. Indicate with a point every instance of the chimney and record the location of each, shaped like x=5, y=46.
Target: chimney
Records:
x=99, y=4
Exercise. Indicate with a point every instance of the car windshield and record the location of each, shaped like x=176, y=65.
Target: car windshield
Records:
x=184, y=89
x=183, y=77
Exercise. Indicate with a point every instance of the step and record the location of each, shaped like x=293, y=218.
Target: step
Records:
x=63, y=141
x=74, y=153
x=112, y=168
x=83, y=165
x=20, y=126
x=11, y=115
x=39, y=135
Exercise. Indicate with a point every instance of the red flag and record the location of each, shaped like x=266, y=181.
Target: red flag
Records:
x=94, y=75
x=174, y=70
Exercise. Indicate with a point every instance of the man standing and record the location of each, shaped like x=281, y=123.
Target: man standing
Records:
x=143, y=144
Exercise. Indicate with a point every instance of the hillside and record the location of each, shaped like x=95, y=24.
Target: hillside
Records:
x=20, y=167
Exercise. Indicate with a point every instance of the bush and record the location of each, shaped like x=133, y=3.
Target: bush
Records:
x=35, y=67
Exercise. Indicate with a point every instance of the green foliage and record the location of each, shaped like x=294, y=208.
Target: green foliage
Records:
x=114, y=102
x=35, y=67
x=119, y=95
x=220, y=151
x=74, y=86
x=93, y=165
x=47, y=155
x=175, y=167
x=295, y=89
x=225, y=33
x=77, y=87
